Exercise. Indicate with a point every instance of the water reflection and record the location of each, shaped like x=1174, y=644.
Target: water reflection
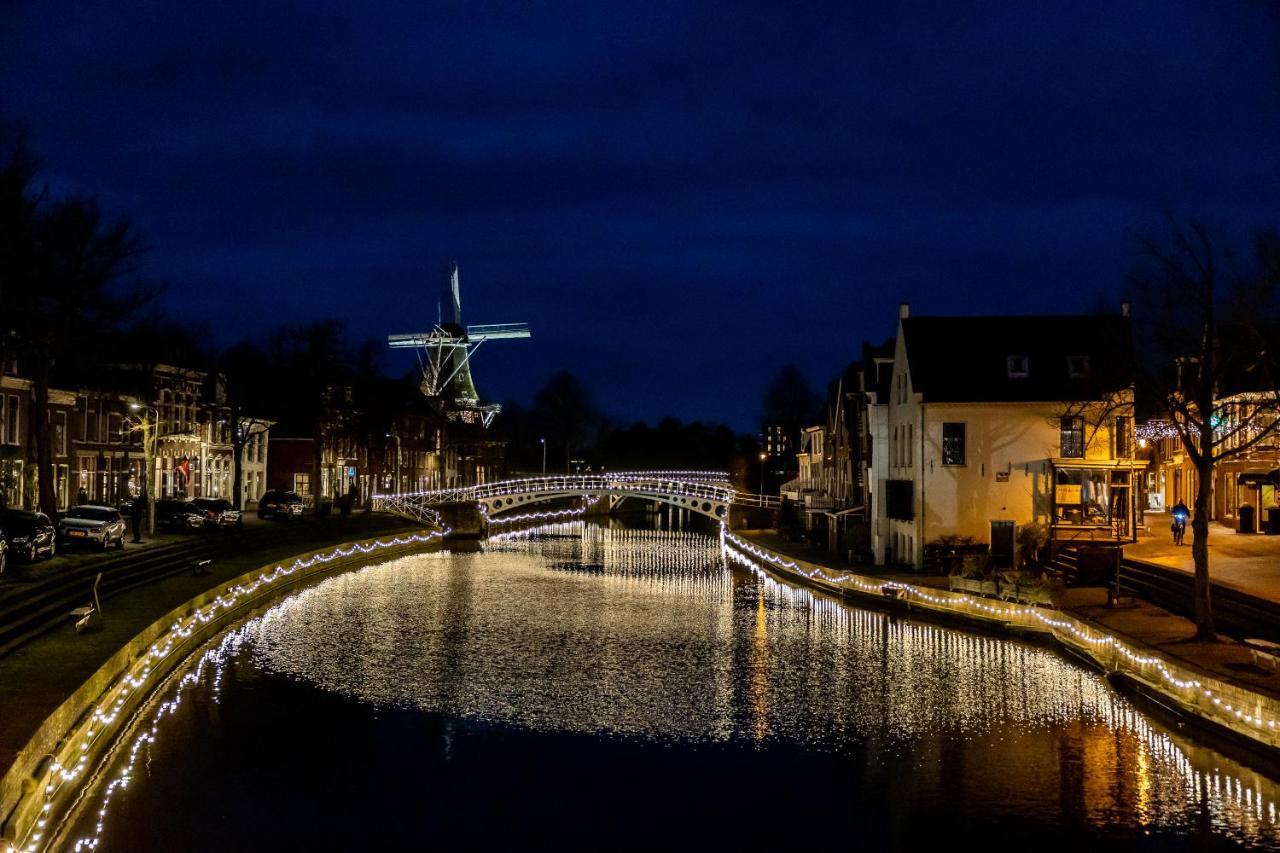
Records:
x=651, y=636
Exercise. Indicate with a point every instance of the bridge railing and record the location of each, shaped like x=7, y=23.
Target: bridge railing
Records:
x=750, y=499
x=409, y=508
x=706, y=485
x=605, y=483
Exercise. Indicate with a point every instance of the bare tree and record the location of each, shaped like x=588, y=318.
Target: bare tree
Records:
x=248, y=392
x=61, y=265
x=1216, y=374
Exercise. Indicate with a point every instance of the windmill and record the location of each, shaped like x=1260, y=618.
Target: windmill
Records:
x=445, y=352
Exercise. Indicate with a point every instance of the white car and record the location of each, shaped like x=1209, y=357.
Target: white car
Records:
x=98, y=525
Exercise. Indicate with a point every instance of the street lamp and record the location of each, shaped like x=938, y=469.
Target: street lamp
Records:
x=147, y=425
x=544, y=456
x=763, y=456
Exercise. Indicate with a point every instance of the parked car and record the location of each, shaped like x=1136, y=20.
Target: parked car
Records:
x=277, y=504
x=97, y=525
x=31, y=535
x=179, y=515
x=219, y=513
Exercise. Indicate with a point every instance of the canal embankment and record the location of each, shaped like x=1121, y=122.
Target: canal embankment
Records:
x=1151, y=652
x=67, y=696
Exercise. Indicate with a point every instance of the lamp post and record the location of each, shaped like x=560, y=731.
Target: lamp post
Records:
x=147, y=426
x=763, y=456
x=544, y=456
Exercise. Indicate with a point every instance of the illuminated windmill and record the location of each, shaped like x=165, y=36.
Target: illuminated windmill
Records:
x=444, y=354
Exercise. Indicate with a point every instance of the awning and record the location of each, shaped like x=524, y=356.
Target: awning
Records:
x=1258, y=478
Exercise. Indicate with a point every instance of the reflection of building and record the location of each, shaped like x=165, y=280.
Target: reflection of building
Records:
x=995, y=423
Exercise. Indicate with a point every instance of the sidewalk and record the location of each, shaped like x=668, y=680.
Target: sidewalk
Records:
x=1140, y=624
x=36, y=678
x=1249, y=562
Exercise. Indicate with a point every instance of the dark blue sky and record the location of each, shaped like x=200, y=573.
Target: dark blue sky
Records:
x=678, y=197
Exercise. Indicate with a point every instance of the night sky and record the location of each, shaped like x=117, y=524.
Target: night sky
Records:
x=678, y=197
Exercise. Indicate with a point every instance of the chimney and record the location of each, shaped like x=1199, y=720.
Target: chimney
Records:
x=1124, y=309
x=904, y=310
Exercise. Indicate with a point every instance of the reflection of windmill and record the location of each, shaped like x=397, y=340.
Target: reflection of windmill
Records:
x=445, y=355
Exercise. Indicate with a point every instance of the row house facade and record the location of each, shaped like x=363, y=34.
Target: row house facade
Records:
x=1249, y=479
x=398, y=442
x=97, y=443
x=836, y=462
x=970, y=429
x=998, y=423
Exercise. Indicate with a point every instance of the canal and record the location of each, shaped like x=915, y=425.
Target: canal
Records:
x=588, y=686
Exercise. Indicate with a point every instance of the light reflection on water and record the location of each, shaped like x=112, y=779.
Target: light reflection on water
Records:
x=647, y=635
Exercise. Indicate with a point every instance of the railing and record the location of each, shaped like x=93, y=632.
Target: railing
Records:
x=409, y=508
x=749, y=499
x=701, y=484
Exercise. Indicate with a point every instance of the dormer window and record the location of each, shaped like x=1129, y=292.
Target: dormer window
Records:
x=1018, y=368
x=1077, y=366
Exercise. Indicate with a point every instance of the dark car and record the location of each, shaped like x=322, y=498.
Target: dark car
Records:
x=30, y=535
x=278, y=504
x=219, y=513
x=99, y=525
x=179, y=515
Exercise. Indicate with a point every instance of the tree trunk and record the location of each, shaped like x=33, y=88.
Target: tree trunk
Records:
x=317, y=465
x=1200, y=551
x=42, y=429
x=237, y=463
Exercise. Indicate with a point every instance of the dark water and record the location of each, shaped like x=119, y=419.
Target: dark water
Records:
x=592, y=688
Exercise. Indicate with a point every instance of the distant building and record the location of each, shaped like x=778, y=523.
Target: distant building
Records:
x=97, y=450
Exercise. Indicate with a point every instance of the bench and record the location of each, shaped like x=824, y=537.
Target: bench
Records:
x=1264, y=650
x=200, y=567
x=84, y=613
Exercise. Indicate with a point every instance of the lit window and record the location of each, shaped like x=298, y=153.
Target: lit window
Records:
x=1017, y=365
x=1072, y=438
x=953, y=444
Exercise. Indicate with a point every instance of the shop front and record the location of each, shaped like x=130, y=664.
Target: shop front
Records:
x=1093, y=501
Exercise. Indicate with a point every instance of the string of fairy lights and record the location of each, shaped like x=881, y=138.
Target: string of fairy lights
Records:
x=1264, y=726
x=1222, y=788
x=1229, y=790
x=690, y=484
x=63, y=772
x=549, y=515
x=72, y=761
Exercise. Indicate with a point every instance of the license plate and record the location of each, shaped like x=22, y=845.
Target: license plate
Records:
x=78, y=533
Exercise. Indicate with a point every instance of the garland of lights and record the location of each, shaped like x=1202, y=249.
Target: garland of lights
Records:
x=550, y=514
x=64, y=770
x=681, y=483
x=1155, y=430
x=732, y=546
x=1093, y=638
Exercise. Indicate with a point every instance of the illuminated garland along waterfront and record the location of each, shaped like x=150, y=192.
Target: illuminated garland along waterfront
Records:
x=939, y=679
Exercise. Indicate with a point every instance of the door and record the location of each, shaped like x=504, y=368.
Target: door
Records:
x=1002, y=553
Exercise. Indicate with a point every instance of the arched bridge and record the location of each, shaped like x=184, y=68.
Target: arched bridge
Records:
x=704, y=492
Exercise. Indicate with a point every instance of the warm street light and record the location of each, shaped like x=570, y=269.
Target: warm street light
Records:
x=544, y=456
x=147, y=426
x=763, y=456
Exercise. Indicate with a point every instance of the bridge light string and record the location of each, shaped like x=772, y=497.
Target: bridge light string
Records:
x=538, y=516
x=673, y=482
x=1267, y=726
x=72, y=761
